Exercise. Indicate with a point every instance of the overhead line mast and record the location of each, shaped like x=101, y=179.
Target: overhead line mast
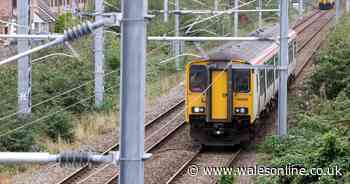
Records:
x=99, y=56
x=24, y=66
x=283, y=78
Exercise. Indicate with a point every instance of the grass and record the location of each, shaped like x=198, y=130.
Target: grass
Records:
x=89, y=128
x=8, y=171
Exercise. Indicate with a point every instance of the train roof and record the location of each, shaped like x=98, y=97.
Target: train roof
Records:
x=247, y=50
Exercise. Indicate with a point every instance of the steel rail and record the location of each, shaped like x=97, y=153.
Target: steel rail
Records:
x=185, y=165
x=86, y=168
x=306, y=18
x=311, y=39
x=152, y=147
x=314, y=33
x=197, y=154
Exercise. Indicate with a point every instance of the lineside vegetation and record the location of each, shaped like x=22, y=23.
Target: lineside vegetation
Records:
x=321, y=136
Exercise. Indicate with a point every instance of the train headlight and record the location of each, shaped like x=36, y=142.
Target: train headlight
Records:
x=198, y=109
x=241, y=110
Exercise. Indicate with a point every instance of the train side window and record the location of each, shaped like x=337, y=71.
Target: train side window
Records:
x=290, y=53
x=262, y=82
x=277, y=58
x=270, y=77
x=270, y=72
x=241, y=80
x=198, y=78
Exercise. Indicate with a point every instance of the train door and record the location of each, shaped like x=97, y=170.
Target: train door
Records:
x=219, y=95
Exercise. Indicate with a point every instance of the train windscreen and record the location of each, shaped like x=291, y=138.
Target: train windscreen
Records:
x=198, y=78
x=241, y=80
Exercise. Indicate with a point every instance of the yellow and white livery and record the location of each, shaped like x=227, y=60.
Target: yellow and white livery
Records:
x=222, y=102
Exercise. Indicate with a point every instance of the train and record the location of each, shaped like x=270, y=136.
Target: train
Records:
x=326, y=4
x=225, y=95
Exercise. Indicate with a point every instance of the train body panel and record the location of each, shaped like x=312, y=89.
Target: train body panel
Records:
x=224, y=102
x=219, y=96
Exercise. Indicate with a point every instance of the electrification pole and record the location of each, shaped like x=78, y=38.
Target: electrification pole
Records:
x=24, y=67
x=166, y=10
x=347, y=6
x=235, y=32
x=133, y=38
x=177, y=34
x=283, y=82
x=337, y=10
x=99, y=56
x=301, y=8
x=216, y=5
x=260, y=13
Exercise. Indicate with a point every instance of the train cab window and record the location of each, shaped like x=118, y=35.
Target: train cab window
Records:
x=241, y=80
x=198, y=78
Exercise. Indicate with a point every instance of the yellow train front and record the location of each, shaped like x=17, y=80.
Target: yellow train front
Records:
x=225, y=94
x=219, y=102
x=326, y=4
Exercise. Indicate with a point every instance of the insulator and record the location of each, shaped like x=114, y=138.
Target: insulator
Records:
x=77, y=31
x=74, y=159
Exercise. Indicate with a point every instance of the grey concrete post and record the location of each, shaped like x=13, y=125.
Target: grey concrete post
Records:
x=283, y=81
x=260, y=13
x=177, y=44
x=133, y=66
x=216, y=5
x=166, y=10
x=24, y=67
x=236, y=19
x=337, y=9
x=99, y=56
x=301, y=8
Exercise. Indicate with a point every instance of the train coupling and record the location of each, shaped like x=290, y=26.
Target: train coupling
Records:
x=219, y=130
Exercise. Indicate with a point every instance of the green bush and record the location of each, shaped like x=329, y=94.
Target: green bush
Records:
x=65, y=21
x=321, y=136
x=59, y=126
x=334, y=63
x=22, y=140
x=226, y=179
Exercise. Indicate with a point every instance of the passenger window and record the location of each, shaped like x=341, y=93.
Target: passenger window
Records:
x=198, y=78
x=270, y=77
x=290, y=53
x=262, y=82
x=241, y=80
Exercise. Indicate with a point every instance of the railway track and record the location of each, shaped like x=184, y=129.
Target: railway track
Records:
x=301, y=24
x=306, y=49
x=153, y=144
x=158, y=130
x=157, y=126
x=192, y=169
